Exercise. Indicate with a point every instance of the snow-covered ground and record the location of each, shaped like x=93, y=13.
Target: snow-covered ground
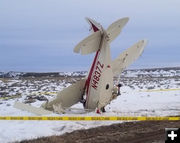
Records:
x=141, y=95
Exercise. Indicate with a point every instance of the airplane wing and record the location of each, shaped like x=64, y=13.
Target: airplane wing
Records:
x=68, y=97
x=32, y=109
x=89, y=44
x=115, y=28
x=127, y=57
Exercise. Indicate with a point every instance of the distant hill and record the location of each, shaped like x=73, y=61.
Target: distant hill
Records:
x=152, y=72
x=13, y=74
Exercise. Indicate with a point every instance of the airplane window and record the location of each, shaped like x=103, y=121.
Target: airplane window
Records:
x=107, y=86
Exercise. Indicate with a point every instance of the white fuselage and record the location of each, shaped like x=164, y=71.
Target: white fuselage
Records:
x=100, y=78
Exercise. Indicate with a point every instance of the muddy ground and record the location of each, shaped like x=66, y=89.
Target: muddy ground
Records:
x=129, y=132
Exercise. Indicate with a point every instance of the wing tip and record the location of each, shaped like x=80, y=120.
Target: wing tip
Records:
x=75, y=50
x=125, y=20
x=144, y=42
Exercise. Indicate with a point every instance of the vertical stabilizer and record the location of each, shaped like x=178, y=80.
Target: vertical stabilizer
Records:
x=94, y=25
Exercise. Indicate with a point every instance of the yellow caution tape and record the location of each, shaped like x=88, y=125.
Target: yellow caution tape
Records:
x=41, y=93
x=90, y=118
x=10, y=97
x=158, y=90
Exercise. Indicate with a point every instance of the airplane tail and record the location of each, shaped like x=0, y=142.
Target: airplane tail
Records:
x=112, y=31
x=94, y=26
x=115, y=28
x=91, y=43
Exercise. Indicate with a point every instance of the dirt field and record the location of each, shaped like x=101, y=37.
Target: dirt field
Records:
x=130, y=132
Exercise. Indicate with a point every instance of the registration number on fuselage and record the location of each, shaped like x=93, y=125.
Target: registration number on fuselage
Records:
x=97, y=75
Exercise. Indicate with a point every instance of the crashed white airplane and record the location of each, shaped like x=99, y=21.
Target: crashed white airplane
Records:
x=97, y=89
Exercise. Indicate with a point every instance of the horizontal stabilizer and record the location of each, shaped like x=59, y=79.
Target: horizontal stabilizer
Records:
x=31, y=109
x=115, y=28
x=128, y=57
x=67, y=97
x=89, y=44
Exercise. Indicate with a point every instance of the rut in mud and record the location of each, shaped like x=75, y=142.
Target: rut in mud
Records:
x=129, y=132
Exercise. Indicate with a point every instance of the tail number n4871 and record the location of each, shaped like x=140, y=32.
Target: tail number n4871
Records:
x=97, y=75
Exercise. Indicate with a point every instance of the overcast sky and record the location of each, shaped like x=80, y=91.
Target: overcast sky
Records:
x=39, y=35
